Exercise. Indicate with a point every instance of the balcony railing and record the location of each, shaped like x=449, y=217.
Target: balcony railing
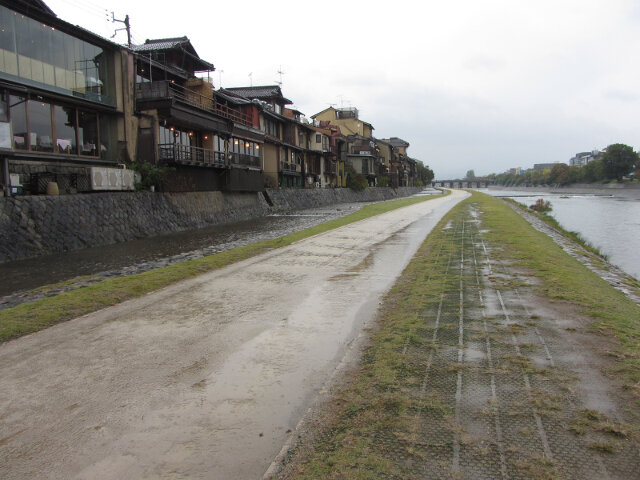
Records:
x=185, y=154
x=244, y=160
x=166, y=89
x=291, y=168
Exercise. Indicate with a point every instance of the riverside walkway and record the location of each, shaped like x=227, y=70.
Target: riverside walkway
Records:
x=474, y=375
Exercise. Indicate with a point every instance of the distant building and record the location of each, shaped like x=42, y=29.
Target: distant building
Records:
x=347, y=119
x=543, y=166
x=515, y=171
x=583, y=158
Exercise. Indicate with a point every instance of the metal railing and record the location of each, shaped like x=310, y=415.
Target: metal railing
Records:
x=166, y=89
x=175, y=153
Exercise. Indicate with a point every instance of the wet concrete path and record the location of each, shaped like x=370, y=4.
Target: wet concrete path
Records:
x=207, y=378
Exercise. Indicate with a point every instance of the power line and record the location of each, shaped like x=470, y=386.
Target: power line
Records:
x=87, y=5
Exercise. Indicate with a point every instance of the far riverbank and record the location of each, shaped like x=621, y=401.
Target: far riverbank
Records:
x=631, y=191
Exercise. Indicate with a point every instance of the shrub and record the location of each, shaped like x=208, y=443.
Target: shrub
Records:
x=541, y=206
x=357, y=182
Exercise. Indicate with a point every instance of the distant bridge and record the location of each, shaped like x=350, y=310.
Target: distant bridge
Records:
x=462, y=183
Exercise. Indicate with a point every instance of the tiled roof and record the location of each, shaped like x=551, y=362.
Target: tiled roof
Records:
x=396, y=142
x=262, y=92
x=160, y=44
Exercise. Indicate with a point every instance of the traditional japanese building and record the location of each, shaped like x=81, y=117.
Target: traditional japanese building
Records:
x=283, y=154
x=211, y=141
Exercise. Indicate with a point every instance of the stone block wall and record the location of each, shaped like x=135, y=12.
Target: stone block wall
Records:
x=37, y=225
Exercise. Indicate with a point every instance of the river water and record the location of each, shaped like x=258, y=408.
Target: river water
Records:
x=21, y=277
x=609, y=221
x=149, y=253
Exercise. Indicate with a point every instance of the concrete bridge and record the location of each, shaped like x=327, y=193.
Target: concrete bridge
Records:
x=462, y=183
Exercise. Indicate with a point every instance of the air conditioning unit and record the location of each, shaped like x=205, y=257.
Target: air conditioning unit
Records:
x=317, y=184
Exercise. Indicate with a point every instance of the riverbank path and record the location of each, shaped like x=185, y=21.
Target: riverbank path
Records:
x=207, y=378
x=475, y=376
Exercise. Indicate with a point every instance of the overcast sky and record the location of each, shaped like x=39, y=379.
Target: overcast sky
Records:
x=470, y=84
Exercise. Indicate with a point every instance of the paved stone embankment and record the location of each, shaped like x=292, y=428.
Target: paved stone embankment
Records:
x=31, y=226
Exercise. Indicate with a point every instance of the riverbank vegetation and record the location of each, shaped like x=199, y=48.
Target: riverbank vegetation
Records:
x=613, y=166
x=34, y=316
x=369, y=428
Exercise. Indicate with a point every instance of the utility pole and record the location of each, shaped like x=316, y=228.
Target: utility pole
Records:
x=127, y=27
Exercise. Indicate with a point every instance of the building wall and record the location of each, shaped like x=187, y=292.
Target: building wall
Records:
x=271, y=163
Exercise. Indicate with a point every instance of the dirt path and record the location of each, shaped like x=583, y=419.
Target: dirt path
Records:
x=207, y=378
x=482, y=380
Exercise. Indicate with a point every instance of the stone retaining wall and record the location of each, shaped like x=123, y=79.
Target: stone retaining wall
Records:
x=39, y=225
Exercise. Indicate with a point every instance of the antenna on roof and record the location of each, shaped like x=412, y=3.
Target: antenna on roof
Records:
x=251, y=79
x=280, y=72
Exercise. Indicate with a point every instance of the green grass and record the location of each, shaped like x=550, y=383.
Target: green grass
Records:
x=34, y=316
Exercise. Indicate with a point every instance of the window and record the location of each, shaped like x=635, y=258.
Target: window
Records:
x=88, y=133
x=65, y=122
x=271, y=128
x=4, y=110
x=318, y=138
x=42, y=54
x=40, y=132
x=18, y=116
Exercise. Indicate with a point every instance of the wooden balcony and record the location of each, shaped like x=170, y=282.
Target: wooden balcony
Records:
x=186, y=155
x=149, y=91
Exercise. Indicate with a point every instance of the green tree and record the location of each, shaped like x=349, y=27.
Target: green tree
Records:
x=619, y=160
x=471, y=175
x=559, y=174
x=425, y=174
x=594, y=171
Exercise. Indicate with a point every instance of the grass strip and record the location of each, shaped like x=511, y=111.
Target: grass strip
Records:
x=553, y=223
x=376, y=407
x=566, y=279
x=37, y=315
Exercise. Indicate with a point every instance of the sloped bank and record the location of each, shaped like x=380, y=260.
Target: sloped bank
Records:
x=31, y=226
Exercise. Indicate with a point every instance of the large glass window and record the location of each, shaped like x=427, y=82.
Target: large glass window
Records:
x=88, y=133
x=40, y=133
x=65, y=122
x=4, y=109
x=41, y=54
x=18, y=116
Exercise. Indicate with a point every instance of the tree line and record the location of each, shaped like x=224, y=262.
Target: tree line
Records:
x=617, y=162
